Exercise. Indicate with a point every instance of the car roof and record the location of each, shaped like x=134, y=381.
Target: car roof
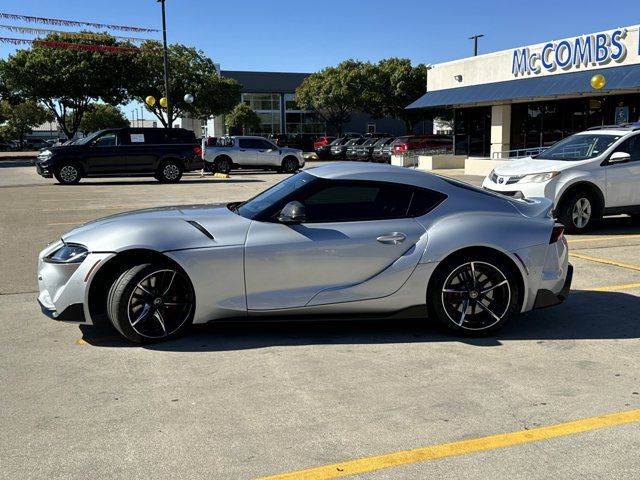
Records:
x=378, y=172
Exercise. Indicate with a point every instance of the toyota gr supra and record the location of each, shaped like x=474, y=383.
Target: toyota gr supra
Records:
x=339, y=241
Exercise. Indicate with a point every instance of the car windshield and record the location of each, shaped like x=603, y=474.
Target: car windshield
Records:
x=88, y=139
x=258, y=204
x=579, y=147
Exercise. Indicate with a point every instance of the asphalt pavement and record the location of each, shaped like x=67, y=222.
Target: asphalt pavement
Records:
x=247, y=400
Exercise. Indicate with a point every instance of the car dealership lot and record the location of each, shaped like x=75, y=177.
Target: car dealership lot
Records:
x=248, y=400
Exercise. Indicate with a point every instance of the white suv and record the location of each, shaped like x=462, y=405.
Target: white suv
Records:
x=586, y=175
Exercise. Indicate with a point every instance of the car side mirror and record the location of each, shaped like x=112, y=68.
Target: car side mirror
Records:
x=619, y=157
x=293, y=212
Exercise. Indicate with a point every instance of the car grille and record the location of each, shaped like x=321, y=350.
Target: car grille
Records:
x=509, y=180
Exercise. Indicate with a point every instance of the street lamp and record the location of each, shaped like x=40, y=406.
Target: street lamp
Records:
x=168, y=105
x=475, y=43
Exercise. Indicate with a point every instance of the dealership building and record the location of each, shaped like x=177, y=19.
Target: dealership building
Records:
x=530, y=97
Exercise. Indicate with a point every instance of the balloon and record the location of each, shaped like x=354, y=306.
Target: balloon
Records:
x=598, y=81
x=150, y=100
x=163, y=102
x=188, y=98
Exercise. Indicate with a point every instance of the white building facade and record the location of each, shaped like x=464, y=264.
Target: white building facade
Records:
x=530, y=97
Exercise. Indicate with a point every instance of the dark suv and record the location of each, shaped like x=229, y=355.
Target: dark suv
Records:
x=164, y=153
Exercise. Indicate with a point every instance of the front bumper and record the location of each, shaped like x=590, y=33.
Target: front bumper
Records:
x=546, y=298
x=44, y=170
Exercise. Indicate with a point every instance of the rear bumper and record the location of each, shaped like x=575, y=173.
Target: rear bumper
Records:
x=546, y=298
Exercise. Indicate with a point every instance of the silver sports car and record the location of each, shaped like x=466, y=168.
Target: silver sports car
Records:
x=343, y=240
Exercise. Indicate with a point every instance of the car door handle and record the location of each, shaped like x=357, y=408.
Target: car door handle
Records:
x=392, y=238
x=242, y=150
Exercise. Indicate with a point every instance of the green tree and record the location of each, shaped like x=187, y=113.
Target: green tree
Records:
x=392, y=85
x=242, y=116
x=99, y=116
x=22, y=117
x=334, y=92
x=66, y=80
x=190, y=72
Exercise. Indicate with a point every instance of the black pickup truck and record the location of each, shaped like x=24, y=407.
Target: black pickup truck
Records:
x=164, y=153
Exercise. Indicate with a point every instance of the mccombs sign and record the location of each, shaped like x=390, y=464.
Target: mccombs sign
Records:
x=589, y=50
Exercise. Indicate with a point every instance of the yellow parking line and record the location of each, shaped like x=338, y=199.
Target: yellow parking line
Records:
x=605, y=261
x=613, y=288
x=370, y=464
x=601, y=239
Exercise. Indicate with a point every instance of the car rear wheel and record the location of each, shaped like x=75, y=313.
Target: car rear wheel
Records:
x=170, y=171
x=577, y=212
x=223, y=165
x=290, y=165
x=151, y=303
x=474, y=294
x=68, y=173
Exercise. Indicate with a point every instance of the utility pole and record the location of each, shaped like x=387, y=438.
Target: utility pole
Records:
x=475, y=43
x=166, y=65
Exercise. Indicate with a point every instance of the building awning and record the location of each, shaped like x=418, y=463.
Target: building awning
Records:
x=567, y=84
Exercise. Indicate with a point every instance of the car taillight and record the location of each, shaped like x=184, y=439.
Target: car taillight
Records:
x=403, y=147
x=197, y=151
x=557, y=233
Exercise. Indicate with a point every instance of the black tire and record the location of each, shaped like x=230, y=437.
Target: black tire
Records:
x=487, y=305
x=159, y=296
x=290, y=165
x=68, y=173
x=223, y=165
x=169, y=171
x=577, y=211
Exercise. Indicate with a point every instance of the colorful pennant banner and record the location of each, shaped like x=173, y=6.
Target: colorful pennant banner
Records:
x=74, y=46
x=90, y=35
x=72, y=23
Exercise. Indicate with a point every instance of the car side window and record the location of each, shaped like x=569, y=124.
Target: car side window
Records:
x=266, y=145
x=357, y=201
x=632, y=147
x=106, y=140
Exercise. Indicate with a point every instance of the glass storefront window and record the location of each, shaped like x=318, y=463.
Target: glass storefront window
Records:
x=472, y=131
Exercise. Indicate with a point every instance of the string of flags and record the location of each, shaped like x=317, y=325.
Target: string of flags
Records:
x=71, y=45
x=72, y=23
x=89, y=35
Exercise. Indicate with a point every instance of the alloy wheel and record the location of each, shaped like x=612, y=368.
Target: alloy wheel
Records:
x=476, y=296
x=581, y=213
x=290, y=165
x=160, y=304
x=171, y=171
x=69, y=173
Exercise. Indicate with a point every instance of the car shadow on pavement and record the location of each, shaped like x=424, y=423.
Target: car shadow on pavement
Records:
x=97, y=182
x=612, y=226
x=586, y=315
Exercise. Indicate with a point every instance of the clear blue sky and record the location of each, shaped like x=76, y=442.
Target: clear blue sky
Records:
x=304, y=36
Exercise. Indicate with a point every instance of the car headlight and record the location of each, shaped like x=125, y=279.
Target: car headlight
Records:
x=68, y=253
x=492, y=176
x=45, y=155
x=539, y=177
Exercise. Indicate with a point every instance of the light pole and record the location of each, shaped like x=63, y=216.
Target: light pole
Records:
x=166, y=65
x=475, y=43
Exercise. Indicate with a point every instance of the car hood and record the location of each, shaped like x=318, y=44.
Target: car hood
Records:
x=162, y=229
x=290, y=150
x=530, y=165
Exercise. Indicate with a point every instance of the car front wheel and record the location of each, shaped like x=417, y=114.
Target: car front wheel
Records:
x=68, y=173
x=290, y=165
x=474, y=294
x=151, y=303
x=577, y=212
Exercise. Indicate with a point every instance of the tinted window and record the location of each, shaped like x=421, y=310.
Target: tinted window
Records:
x=106, y=140
x=250, y=143
x=423, y=201
x=354, y=201
x=265, y=145
x=632, y=147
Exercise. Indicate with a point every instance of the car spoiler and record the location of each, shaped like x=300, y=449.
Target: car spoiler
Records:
x=535, y=207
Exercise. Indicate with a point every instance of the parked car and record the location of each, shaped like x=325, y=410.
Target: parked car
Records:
x=324, y=152
x=382, y=150
x=6, y=146
x=321, y=142
x=339, y=147
x=365, y=151
x=586, y=176
x=163, y=153
x=252, y=152
x=300, y=141
x=335, y=241
x=351, y=153
x=419, y=142
x=36, y=143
